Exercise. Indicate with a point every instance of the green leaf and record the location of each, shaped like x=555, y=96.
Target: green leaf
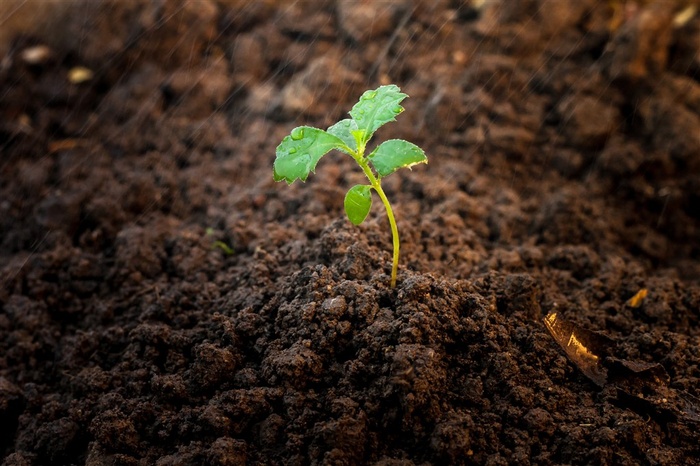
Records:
x=343, y=130
x=298, y=153
x=394, y=154
x=376, y=108
x=358, y=201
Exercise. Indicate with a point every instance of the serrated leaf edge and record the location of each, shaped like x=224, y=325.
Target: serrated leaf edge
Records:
x=409, y=165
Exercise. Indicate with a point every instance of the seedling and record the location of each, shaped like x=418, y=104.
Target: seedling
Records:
x=228, y=250
x=298, y=154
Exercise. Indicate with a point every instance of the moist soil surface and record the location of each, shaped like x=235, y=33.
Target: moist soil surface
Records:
x=564, y=179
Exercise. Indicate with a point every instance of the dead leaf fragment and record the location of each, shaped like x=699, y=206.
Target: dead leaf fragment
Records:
x=36, y=55
x=684, y=16
x=80, y=74
x=638, y=299
x=583, y=347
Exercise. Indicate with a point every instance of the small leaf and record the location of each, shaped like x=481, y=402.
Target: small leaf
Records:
x=298, y=153
x=343, y=130
x=358, y=202
x=376, y=108
x=394, y=154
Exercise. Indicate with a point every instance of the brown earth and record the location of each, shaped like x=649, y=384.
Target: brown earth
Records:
x=564, y=176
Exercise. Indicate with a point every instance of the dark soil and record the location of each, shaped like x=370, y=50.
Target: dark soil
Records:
x=564, y=176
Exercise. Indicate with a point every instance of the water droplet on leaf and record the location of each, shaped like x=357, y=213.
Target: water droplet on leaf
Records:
x=297, y=134
x=292, y=150
x=369, y=95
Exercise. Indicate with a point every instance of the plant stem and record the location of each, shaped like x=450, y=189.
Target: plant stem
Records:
x=374, y=181
x=394, y=232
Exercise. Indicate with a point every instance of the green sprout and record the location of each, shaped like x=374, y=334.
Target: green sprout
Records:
x=228, y=250
x=298, y=154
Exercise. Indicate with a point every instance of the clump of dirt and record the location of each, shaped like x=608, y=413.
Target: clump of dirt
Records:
x=563, y=178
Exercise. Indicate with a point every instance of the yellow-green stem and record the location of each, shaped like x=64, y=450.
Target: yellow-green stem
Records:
x=389, y=213
x=394, y=233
